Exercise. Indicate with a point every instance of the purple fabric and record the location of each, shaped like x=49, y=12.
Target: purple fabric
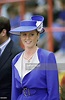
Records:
x=39, y=78
x=15, y=22
x=62, y=15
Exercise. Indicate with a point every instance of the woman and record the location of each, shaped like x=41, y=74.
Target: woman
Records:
x=34, y=72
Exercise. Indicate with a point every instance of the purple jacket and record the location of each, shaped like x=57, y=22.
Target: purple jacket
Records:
x=42, y=82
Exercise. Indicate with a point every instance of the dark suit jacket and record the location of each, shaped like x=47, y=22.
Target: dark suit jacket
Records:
x=6, y=70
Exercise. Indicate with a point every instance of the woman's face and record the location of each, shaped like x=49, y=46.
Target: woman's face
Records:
x=29, y=39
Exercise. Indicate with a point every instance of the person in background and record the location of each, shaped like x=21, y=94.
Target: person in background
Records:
x=61, y=35
x=14, y=18
x=30, y=9
x=34, y=71
x=62, y=22
x=8, y=50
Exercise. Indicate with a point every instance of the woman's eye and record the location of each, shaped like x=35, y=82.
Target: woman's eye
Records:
x=32, y=34
x=24, y=34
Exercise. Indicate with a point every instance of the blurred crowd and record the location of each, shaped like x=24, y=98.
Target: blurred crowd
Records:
x=40, y=7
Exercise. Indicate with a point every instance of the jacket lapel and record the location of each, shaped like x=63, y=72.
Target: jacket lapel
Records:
x=6, y=54
x=18, y=69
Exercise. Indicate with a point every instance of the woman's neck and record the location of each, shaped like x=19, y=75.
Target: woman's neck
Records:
x=30, y=52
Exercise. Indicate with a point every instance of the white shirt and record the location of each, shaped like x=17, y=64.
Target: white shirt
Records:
x=3, y=46
x=29, y=66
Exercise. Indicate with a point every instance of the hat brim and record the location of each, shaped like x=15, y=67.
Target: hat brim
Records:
x=23, y=29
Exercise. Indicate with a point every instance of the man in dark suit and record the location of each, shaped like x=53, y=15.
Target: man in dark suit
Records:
x=8, y=51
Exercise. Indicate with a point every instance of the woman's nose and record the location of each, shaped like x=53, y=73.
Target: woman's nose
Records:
x=28, y=36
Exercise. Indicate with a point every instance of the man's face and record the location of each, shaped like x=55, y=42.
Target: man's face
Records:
x=3, y=36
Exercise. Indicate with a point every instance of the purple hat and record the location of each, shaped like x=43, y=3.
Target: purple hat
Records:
x=30, y=25
x=39, y=19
